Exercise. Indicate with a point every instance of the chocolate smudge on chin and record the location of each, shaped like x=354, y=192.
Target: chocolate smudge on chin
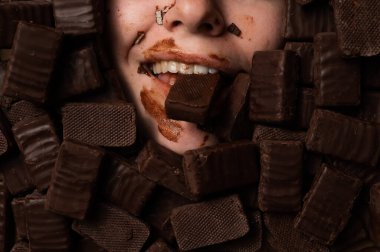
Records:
x=170, y=129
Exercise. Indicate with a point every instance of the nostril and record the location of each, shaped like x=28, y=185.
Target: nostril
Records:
x=176, y=23
x=206, y=27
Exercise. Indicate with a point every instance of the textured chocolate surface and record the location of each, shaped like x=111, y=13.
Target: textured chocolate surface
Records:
x=110, y=124
x=16, y=175
x=344, y=137
x=32, y=62
x=23, y=109
x=220, y=167
x=159, y=246
x=374, y=208
x=306, y=106
x=262, y=132
x=329, y=201
x=210, y=222
x=273, y=91
x=113, y=229
x=337, y=80
x=6, y=141
x=19, y=215
x=73, y=178
x=280, y=187
x=305, y=51
x=5, y=235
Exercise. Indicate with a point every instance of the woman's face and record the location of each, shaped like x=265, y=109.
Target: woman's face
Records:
x=192, y=38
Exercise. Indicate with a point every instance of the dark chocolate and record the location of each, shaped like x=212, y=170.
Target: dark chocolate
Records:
x=374, y=209
x=16, y=174
x=306, y=106
x=5, y=220
x=23, y=109
x=6, y=139
x=19, y=216
x=305, y=52
x=262, y=132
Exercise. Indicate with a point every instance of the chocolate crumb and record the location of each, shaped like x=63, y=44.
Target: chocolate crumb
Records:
x=232, y=28
x=139, y=38
x=159, y=18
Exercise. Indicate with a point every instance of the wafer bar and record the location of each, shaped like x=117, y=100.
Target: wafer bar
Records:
x=374, y=208
x=273, y=91
x=23, y=109
x=73, y=178
x=306, y=106
x=327, y=206
x=280, y=186
x=16, y=174
x=337, y=80
x=32, y=62
x=111, y=124
x=220, y=167
x=210, y=222
x=305, y=51
x=344, y=137
x=262, y=132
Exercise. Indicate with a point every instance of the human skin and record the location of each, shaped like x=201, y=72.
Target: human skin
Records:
x=194, y=33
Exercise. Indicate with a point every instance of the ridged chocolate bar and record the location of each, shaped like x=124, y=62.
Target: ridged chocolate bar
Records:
x=20, y=246
x=304, y=50
x=337, y=80
x=190, y=98
x=32, y=62
x=327, y=206
x=280, y=186
x=19, y=216
x=370, y=107
x=273, y=91
x=23, y=109
x=220, y=167
x=5, y=235
x=37, y=12
x=78, y=17
x=358, y=29
x=125, y=187
x=73, y=178
x=111, y=124
x=344, y=137
x=374, y=209
x=38, y=142
x=16, y=174
x=113, y=229
x=306, y=106
x=262, y=132
x=210, y=222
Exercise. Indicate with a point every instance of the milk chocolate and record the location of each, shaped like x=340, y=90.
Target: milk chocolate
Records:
x=305, y=108
x=374, y=208
x=16, y=174
x=19, y=216
x=262, y=132
x=305, y=51
x=23, y=109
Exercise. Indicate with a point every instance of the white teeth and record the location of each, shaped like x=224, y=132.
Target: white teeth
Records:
x=198, y=69
x=164, y=66
x=178, y=67
x=212, y=71
x=173, y=67
x=186, y=69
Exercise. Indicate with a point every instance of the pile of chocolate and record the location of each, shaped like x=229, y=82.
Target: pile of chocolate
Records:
x=296, y=169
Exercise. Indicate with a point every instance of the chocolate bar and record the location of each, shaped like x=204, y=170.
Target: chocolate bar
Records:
x=110, y=124
x=130, y=235
x=220, y=167
x=370, y=107
x=5, y=235
x=210, y=222
x=20, y=246
x=330, y=69
x=358, y=32
x=305, y=51
x=344, y=137
x=280, y=186
x=273, y=91
x=23, y=109
x=16, y=175
x=374, y=208
x=306, y=107
x=262, y=132
x=336, y=192
x=159, y=246
x=38, y=142
x=73, y=179
x=19, y=215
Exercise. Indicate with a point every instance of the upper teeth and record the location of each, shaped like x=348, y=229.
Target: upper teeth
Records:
x=178, y=67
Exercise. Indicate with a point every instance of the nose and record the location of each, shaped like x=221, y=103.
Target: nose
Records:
x=195, y=16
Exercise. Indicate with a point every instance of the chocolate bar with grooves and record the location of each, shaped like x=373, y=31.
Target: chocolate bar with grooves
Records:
x=16, y=174
x=19, y=216
x=305, y=51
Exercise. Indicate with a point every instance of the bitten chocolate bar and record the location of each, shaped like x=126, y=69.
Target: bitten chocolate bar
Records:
x=273, y=91
x=73, y=179
x=374, y=208
x=280, y=186
x=220, y=167
x=337, y=80
x=30, y=69
x=210, y=222
x=327, y=206
x=344, y=137
x=111, y=124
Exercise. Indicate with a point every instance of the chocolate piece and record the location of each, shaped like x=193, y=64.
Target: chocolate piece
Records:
x=31, y=66
x=210, y=222
x=371, y=72
x=303, y=22
x=109, y=124
x=191, y=96
x=113, y=229
x=270, y=133
x=232, y=28
x=327, y=206
x=139, y=38
x=16, y=174
x=374, y=208
x=39, y=144
x=305, y=51
x=71, y=18
x=5, y=235
x=344, y=137
x=19, y=216
x=337, y=80
x=280, y=187
x=20, y=246
x=159, y=17
x=125, y=187
x=37, y=12
x=306, y=107
x=23, y=109
x=214, y=168
x=159, y=246
x=358, y=32
x=6, y=140
x=73, y=179
x=370, y=107
x=273, y=91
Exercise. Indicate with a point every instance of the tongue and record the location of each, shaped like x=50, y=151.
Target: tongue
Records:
x=169, y=78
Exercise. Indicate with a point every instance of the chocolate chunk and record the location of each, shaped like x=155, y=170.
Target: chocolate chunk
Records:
x=71, y=18
x=358, y=30
x=234, y=29
x=280, y=187
x=371, y=72
x=140, y=37
x=20, y=246
x=39, y=144
x=109, y=124
x=305, y=108
x=344, y=137
x=5, y=235
x=305, y=51
x=220, y=167
x=327, y=206
x=125, y=187
x=19, y=216
x=210, y=222
x=337, y=80
x=191, y=96
x=374, y=207
x=16, y=174
x=73, y=179
x=33, y=59
x=273, y=91
x=21, y=110
x=113, y=229
x=370, y=107
x=270, y=133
